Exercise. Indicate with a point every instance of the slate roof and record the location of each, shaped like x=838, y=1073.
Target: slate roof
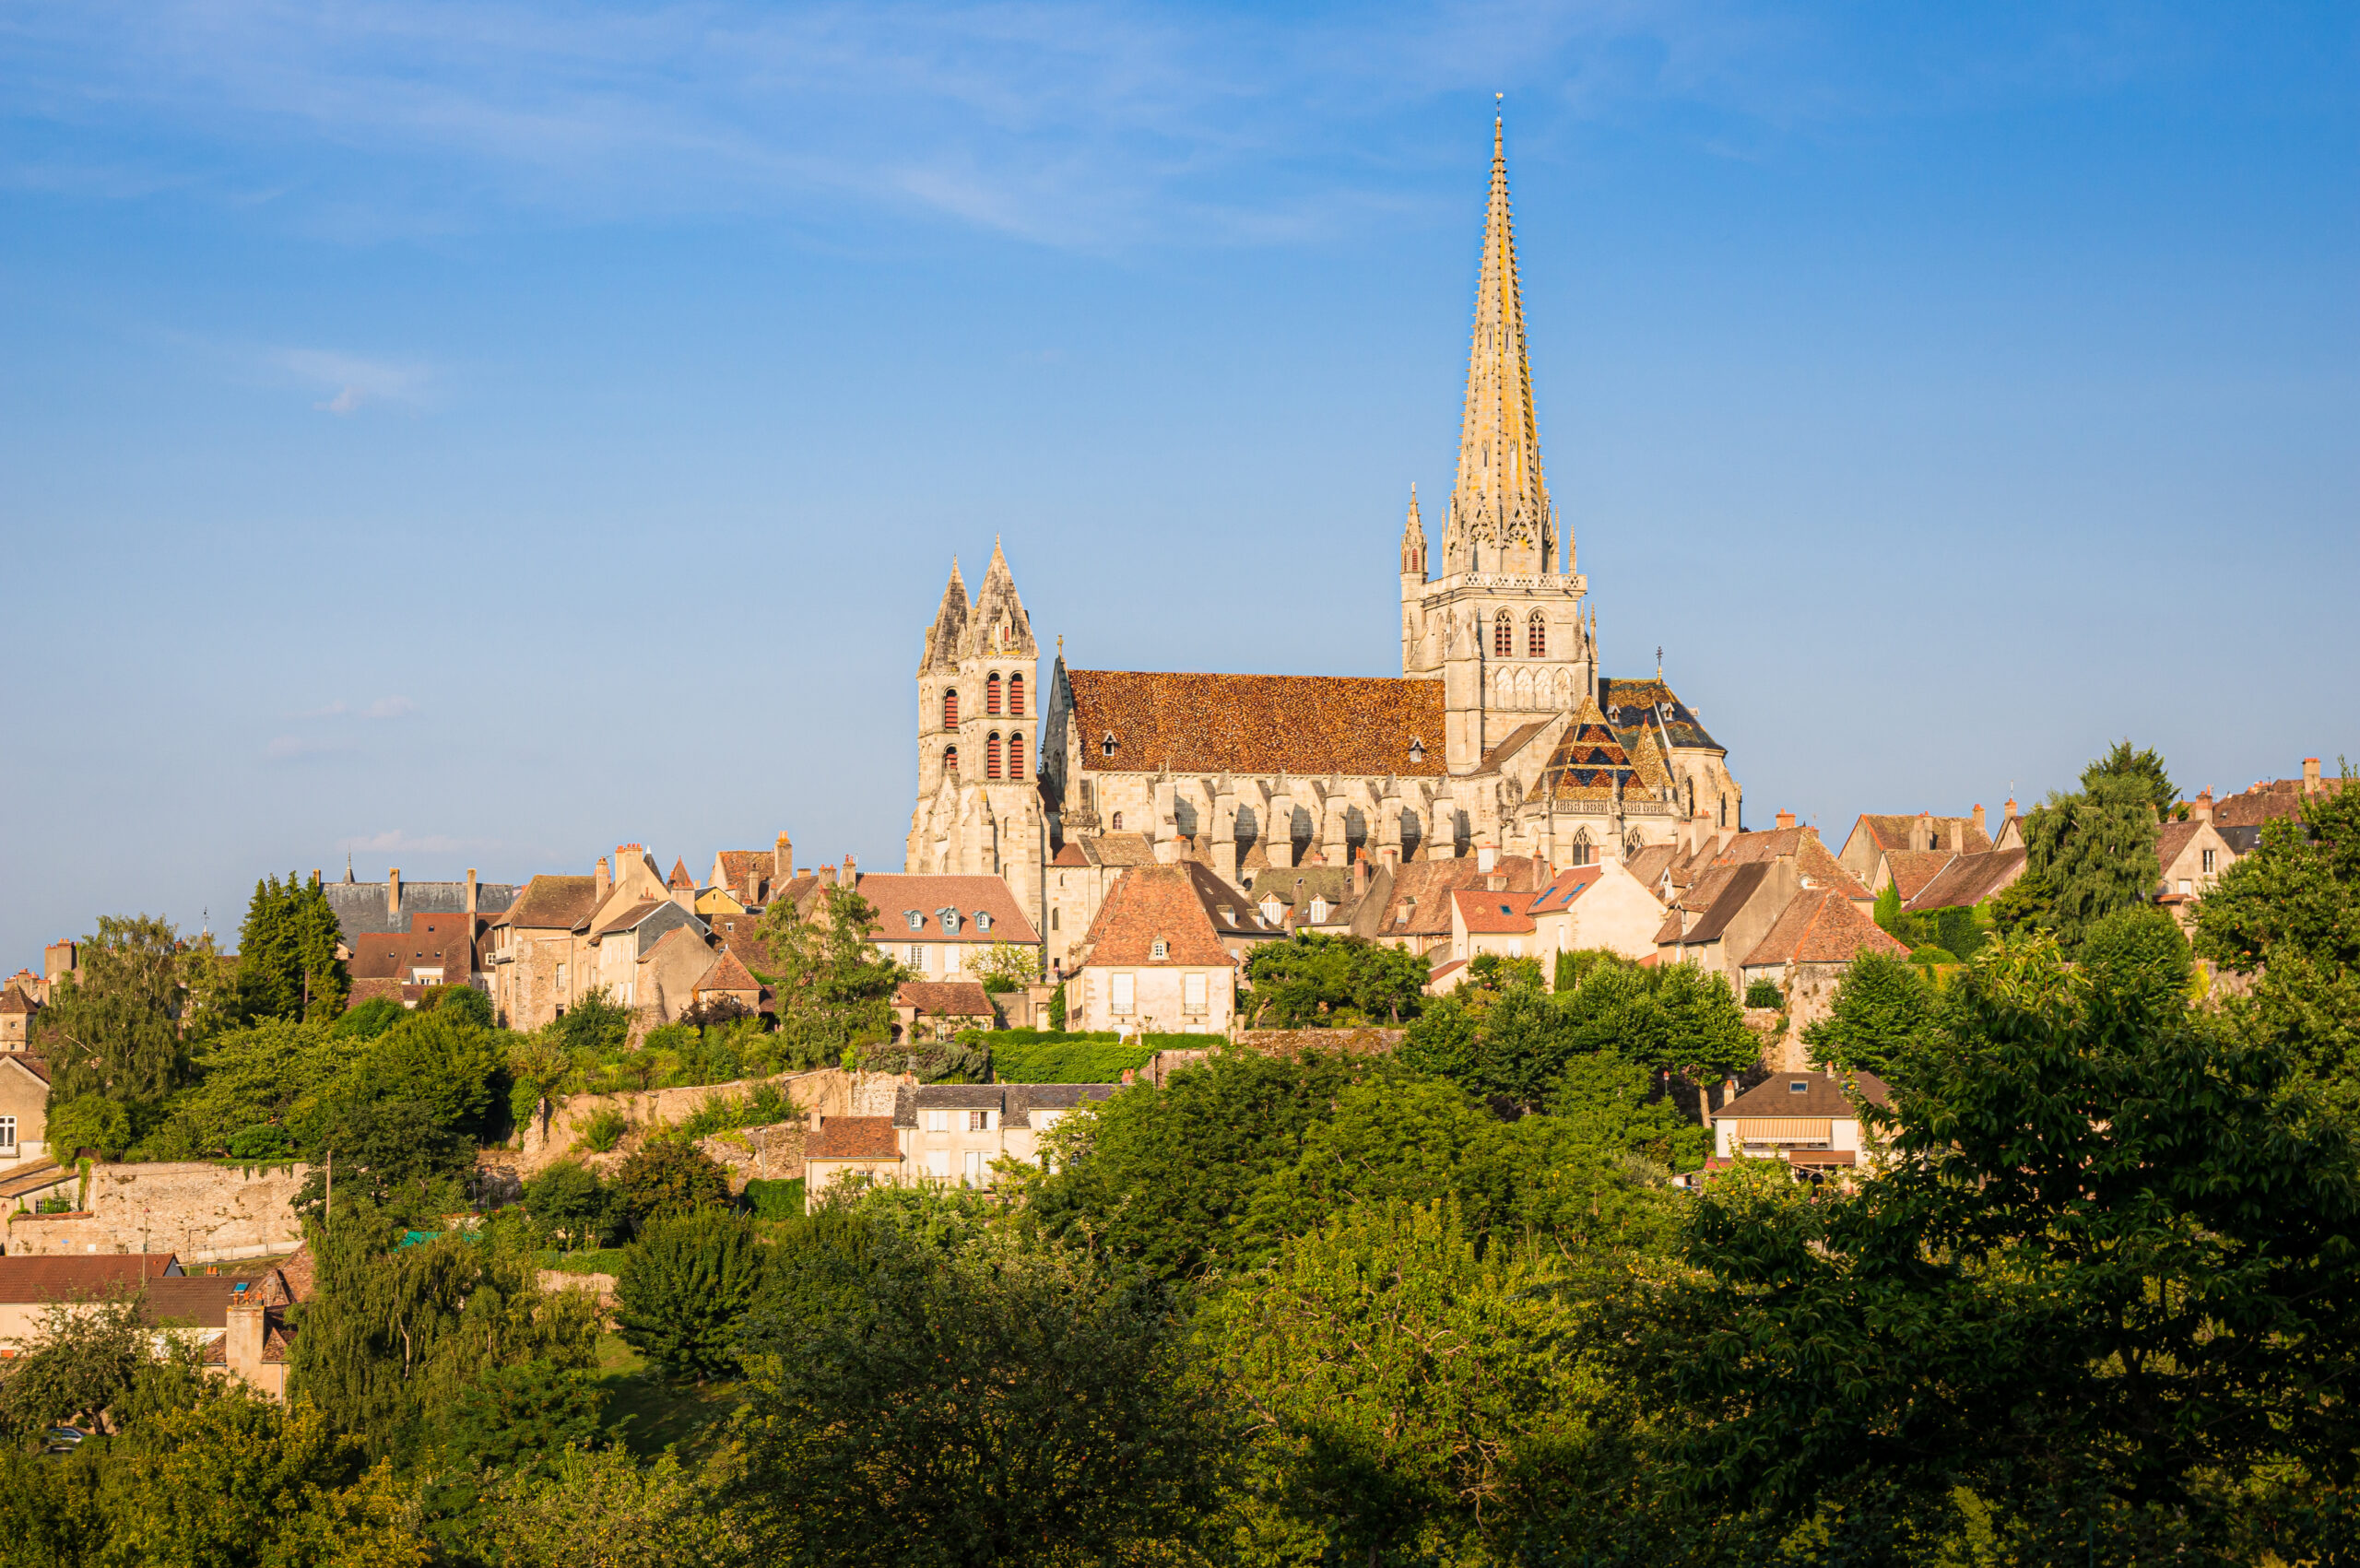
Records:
x=1150, y=901
x=1357, y=726
x=1014, y=1102
x=945, y=999
x=1296, y=886
x=62, y=1278
x=853, y=1137
x=1821, y=925
x=1912, y=868
x=361, y=906
x=1233, y=912
x=1802, y=845
x=1629, y=704
x=896, y=895
x=552, y=903
x=1492, y=913
x=1968, y=879
x=1823, y=1094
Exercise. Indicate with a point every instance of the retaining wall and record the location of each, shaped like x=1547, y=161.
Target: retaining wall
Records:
x=207, y=1213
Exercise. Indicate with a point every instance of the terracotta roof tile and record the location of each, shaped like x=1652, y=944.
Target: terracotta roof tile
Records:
x=896, y=896
x=680, y=878
x=1629, y=704
x=1971, y=879
x=1492, y=913
x=59, y=1278
x=1589, y=763
x=1802, y=844
x=553, y=903
x=1821, y=925
x=1912, y=868
x=1569, y=886
x=727, y=975
x=1821, y=1094
x=1649, y=864
x=1422, y=890
x=853, y=1137
x=13, y=1001
x=1149, y=903
x=1256, y=724
x=2173, y=840
x=945, y=999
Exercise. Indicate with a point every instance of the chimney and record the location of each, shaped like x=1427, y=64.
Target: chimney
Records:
x=393, y=892
x=827, y=874
x=1389, y=856
x=56, y=959
x=241, y=1345
x=804, y=870
x=2202, y=810
x=846, y=877
x=1978, y=818
x=606, y=881
x=2011, y=808
x=1360, y=873
x=1496, y=882
x=2310, y=775
x=1486, y=856
x=471, y=890
x=782, y=859
x=1167, y=852
x=315, y=876
x=1786, y=820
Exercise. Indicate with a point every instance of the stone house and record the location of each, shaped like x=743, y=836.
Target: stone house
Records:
x=24, y=1109
x=1600, y=906
x=1810, y=1119
x=1969, y=879
x=400, y=935
x=937, y=1009
x=727, y=983
x=849, y=1145
x=1300, y=897
x=1724, y=917
x=29, y=1286
x=751, y=878
x=532, y=952
x=1076, y=883
x=1876, y=836
x=649, y=955
x=937, y=928
x=2192, y=856
x=17, y=1011
x=2238, y=818
x=954, y=1132
x=1806, y=953
x=1409, y=906
x=1153, y=962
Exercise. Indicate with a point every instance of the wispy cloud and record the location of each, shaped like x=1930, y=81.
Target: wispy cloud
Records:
x=352, y=381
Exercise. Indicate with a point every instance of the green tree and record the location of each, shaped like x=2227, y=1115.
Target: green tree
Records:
x=1159, y=1174
x=664, y=1179
x=2026, y=907
x=685, y=1286
x=2095, y=851
x=1008, y=967
x=393, y=1336
x=2106, y=1277
x=112, y=1027
x=1884, y=1006
x=91, y=1122
x=394, y=1154
x=1888, y=907
x=998, y=1405
x=2144, y=768
x=1410, y=1397
x=287, y=963
x=466, y=1006
x=1315, y=979
x=834, y=985
x=601, y=1508
x=521, y=1416
x=569, y=1204
x=594, y=1026
x=1764, y=993
x=79, y=1361
x=276, y=1072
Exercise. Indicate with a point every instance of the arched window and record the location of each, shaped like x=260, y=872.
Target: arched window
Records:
x=951, y=759
x=991, y=755
x=1117, y=825
x=1503, y=635
x=1536, y=637
x=1691, y=797
x=1015, y=695
x=1015, y=755
x=991, y=694
x=950, y=709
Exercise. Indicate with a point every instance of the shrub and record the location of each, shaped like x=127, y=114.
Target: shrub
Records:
x=568, y=1203
x=724, y=1113
x=370, y=1019
x=463, y=1004
x=776, y=1200
x=683, y=1289
x=264, y=1142
x=1057, y=1008
x=1080, y=1061
x=1930, y=954
x=665, y=1178
x=602, y=1131
x=1763, y=993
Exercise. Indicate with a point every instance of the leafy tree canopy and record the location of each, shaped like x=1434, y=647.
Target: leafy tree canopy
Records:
x=1315, y=980
x=665, y=1178
x=112, y=1028
x=287, y=963
x=685, y=1286
x=1883, y=1006
x=834, y=988
x=2094, y=852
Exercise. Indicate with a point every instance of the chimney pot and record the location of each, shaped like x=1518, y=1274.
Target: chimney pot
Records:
x=1785, y=819
x=2202, y=810
x=1978, y=817
x=848, y=875
x=2011, y=808
x=606, y=879
x=1360, y=873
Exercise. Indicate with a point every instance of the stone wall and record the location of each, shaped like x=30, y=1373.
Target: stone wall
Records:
x=207, y=1213
x=824, y=1091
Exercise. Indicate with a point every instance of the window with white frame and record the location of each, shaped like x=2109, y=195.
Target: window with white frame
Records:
x=916, y=959
x=1122, y=996
x=2186, y=887
x=1192, y=993
x=8, y=1133
x=1158, y=952
x=979, y=1121
x=938, y=1164
x=2208, y=863
x=934, y=1121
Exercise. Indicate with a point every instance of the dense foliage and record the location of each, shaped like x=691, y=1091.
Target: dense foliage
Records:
x=1315, y=979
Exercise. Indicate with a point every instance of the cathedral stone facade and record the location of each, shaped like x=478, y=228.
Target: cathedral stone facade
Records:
x=1502, y=732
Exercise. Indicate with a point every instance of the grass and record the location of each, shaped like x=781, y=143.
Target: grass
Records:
x=594, y=1260
x=654, y=1414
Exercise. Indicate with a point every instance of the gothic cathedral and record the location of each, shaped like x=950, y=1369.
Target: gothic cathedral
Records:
x=1501, y=730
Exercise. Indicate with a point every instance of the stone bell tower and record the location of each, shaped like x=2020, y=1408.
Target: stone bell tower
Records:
x=978, y=809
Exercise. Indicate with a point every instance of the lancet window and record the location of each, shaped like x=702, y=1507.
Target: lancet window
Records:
x=991, y=694
x=1536, y=637
x=1503, y=636
x=991, y=755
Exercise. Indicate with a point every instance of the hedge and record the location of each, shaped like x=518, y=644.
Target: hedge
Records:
x=776, y=1200
x=1080, y=1061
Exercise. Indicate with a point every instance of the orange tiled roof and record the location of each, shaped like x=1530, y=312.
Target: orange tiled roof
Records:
x=896, y=895
x=1821, y=925
x=1802, y=844
x=1913, y=869
x=854, y=1137
x=726, y=974
x=558, y=903
x=680, y=878
x=945, y=999
x=1413, y=901
x=1492, y=913
x=1971, y=879
x=1256, y=724
x=1149, y=903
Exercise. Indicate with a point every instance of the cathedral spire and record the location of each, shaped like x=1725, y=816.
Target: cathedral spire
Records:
x=1500, y=519
x=944, y=638
x=1413, y=541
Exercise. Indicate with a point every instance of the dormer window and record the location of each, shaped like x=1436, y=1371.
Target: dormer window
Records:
x=1157, y=952
x=950, y=918
x=1272, y=909
x=1107, y=747
x=916, y=919
x=1318, y=911
x=983, y=920
x=1417, y=749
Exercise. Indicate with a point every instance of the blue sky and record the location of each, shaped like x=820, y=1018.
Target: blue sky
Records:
x=477, y=434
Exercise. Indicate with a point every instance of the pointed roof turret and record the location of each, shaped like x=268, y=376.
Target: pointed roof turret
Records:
x=946, y=637
x=1413, y=540
x=998, y=623
x=1500, y=517
x=680, y=878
